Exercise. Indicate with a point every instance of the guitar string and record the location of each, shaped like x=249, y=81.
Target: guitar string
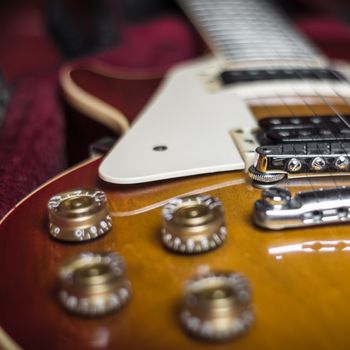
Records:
x=304, y=100
x=309, y=106
x=307, y=176
x=281, y=58
x=292, y=113
x=316, y=114
x=337, y=113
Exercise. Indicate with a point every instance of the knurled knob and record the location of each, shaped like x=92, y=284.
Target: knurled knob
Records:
x=217, y=306
x=79, y=215
x=193, y=224
x=93, y=284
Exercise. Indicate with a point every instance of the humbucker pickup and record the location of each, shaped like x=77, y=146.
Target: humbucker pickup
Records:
x=277, y=209
x=306, y=129
x=242, y=76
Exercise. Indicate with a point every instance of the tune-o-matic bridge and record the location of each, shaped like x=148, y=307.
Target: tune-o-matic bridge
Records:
x=277, y=209
x=299, y=147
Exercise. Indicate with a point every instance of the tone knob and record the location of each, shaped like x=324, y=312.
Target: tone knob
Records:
x=193, y=224
x=93, y=284
x=217, y=306
x=79, y=215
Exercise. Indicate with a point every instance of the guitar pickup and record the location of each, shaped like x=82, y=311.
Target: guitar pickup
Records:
x=305, y=129
x=230, y=77
x=278, y=210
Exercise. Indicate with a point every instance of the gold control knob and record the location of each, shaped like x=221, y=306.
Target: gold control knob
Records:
x=79, y=215
x=193, y=224
x=217, y=306
x=93, y=284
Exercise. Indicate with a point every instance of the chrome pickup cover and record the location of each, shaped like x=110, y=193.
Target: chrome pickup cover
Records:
x=277, y=209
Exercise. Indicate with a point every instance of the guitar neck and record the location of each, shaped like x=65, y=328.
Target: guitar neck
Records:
x=251, y=32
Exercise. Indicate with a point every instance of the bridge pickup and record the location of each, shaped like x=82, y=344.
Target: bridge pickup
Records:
x=278, y=210
x=242, y=76
x=304, y=129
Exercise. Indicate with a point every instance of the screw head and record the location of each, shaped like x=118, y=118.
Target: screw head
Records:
x=318, y=163
x=294, y=165
x=342, y=163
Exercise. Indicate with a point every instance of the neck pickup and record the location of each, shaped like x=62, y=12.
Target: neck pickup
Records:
x=230, y=77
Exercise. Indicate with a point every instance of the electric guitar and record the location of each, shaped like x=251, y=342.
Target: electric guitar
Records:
x=218, y=221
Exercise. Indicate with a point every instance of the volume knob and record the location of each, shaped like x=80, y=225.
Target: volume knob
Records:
x=217, y=306
x=193, y=224
x=93, y=284
x=79, y=215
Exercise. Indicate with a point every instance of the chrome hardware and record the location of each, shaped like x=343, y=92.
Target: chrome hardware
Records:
x=317, y=163
x=294, y=165
x=193, y=224
x=93, y=284
x=277, y=209
x=342, y=163
x=79, y=215
x=300, y=160
x=264, y=177
x=217, y=306
x=276, y=197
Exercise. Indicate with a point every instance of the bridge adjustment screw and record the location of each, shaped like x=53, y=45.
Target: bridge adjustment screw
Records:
x=342, y=163
x=294, y=165
x=193, y=224
x=79, y=215
x=318, y=163
x=217, y=306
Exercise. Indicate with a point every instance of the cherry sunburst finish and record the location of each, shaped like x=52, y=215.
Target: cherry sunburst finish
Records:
x=298, y=277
